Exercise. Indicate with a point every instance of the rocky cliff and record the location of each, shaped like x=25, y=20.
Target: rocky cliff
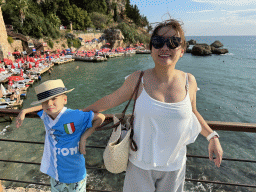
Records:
x=4, y=45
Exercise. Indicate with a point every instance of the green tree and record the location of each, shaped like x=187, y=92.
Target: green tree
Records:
x=49, y=7
x=115, y=17
x=133, y=12
x=128, y=9
x=91, y=5
x=32, y=26
x=64, y=11
x=55, y=20
x=131, y=34
x=149, y=27
x=23, y=7
x=11, y=12
x=99, y=20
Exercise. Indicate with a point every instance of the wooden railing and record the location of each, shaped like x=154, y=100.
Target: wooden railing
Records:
x=215, y=125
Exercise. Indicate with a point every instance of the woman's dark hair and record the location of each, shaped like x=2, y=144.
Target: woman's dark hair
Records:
x=174, y=24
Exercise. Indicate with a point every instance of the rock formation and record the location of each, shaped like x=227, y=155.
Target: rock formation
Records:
x=201, y=50
x=217, y=44
x=191, y=42
x=114, y=37
x=219, y=51
x=5, y=48
x=205, y=49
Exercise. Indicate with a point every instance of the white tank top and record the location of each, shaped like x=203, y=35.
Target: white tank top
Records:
x=162, y=131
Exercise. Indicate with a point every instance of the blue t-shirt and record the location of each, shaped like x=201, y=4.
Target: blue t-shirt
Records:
x=61, y=158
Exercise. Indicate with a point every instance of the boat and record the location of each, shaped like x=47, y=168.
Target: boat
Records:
x=90, y=59
x=143, y=51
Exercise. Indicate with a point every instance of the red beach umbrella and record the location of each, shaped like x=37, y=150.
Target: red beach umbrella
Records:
x=18, y=65
x=29, y=66
x=21, y=72
x=10, y=83
x=16, y=53
x=37, y=64
x=15, y=78
x=13, y=67
x=2, y=69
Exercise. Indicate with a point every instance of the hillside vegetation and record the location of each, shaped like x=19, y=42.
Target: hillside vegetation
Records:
x=43, y=18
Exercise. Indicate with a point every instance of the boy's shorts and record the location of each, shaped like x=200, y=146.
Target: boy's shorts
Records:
x=57, y=186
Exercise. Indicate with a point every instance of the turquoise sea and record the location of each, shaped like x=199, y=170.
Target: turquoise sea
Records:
x=227, y=93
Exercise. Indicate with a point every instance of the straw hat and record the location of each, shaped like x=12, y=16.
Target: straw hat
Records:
x=49, y=89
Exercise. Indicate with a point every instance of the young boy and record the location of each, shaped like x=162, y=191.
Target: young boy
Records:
x=64, y=128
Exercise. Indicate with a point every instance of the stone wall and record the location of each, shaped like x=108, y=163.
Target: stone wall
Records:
x=4, y=45
x=16, y=45
x=85, y=46
x=88, y=36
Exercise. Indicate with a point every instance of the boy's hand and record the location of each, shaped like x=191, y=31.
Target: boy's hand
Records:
x=97, y=121
x=20, y=118
x=22, y=114
x=82, y=147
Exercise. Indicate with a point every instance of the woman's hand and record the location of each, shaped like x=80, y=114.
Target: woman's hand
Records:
x=215, y=147
x=20, y=118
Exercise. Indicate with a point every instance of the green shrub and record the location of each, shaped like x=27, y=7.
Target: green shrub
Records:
x=10, y=39
x=69, y=42
x=63, y=45
x=50, y=43
x=131, y=34
x=76, y=43
x=99, y=20
x=73, y=42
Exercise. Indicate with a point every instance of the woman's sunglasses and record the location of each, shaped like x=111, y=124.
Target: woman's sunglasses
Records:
x=171, y=42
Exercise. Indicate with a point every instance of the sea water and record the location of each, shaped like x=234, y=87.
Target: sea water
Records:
x=227, y=93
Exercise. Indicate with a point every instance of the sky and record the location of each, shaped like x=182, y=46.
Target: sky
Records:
x=204, y=17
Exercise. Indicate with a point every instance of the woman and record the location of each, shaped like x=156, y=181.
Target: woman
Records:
x=166, y=117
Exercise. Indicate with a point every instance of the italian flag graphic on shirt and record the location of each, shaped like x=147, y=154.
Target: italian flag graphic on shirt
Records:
x=69, y=128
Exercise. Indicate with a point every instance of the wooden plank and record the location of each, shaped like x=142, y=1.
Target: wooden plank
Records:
x=215, y=125
x=232, y=126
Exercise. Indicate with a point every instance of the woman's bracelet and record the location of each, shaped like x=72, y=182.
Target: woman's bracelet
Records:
x=213, y=134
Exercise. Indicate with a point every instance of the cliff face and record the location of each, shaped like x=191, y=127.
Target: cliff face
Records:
x=4, y=45
x=120, y=5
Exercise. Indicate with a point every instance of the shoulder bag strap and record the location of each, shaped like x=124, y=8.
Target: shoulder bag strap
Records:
x=126, y=107
x=135, y=92
x=133, y=144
